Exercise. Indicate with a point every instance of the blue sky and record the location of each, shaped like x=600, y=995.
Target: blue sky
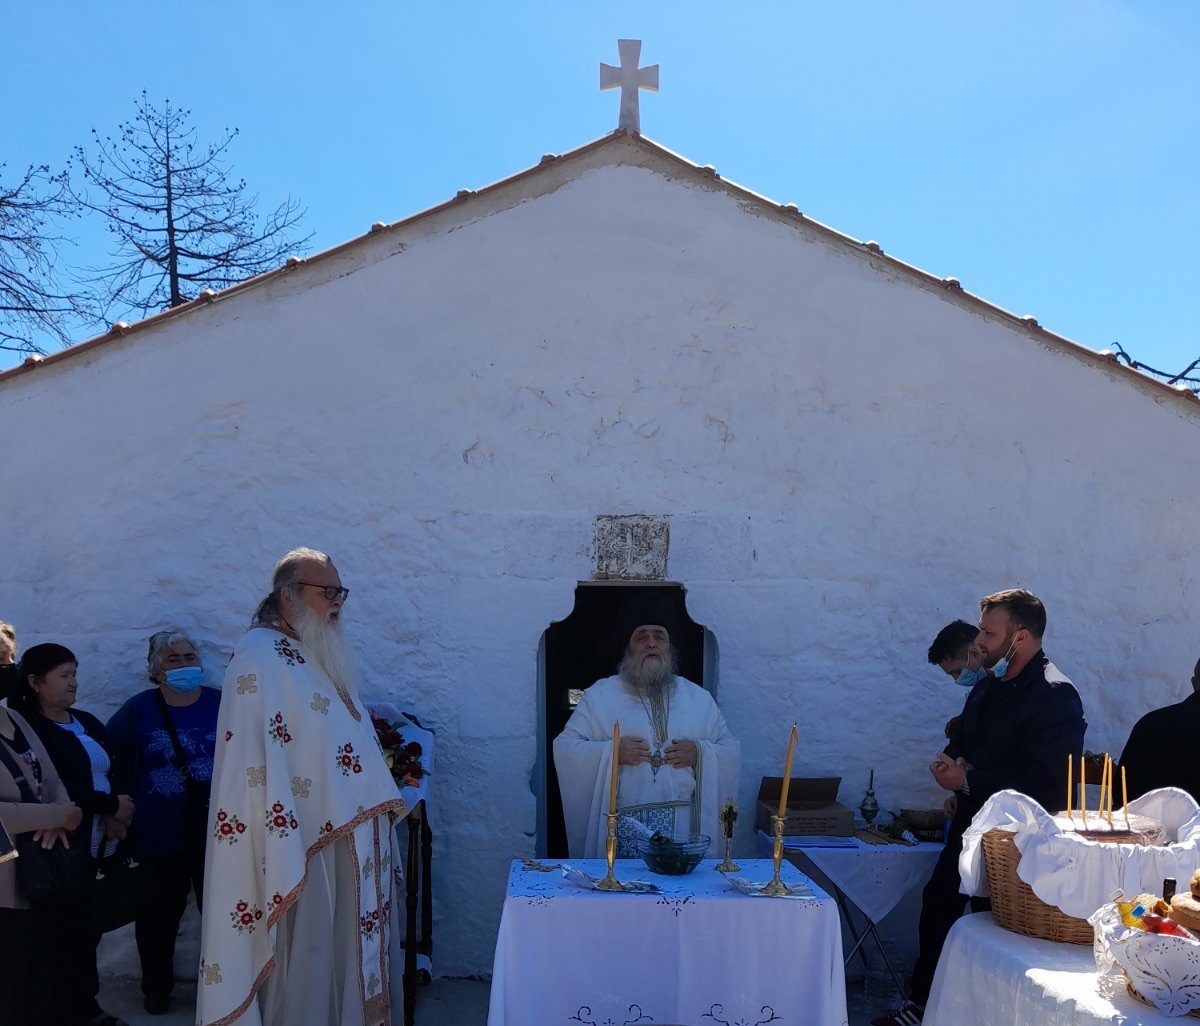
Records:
x=1047, y=154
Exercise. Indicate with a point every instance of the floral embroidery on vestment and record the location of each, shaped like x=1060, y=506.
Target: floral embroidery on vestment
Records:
x=245, y=917
x=279, y=821
x=347, y=760
x=283, y=647
x=228, y=827
x=278, y=730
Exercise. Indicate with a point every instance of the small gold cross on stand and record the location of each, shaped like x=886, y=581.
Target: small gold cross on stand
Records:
x=728, y=816
x=610, y=882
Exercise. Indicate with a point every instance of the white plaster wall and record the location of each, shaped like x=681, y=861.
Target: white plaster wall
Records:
x=849, y=460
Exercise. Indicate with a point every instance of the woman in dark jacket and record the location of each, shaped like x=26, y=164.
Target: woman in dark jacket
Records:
x=75, y=742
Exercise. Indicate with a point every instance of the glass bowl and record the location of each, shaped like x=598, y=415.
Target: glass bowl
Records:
x=672, y=858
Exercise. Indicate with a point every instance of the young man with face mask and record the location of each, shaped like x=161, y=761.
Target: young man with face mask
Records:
x=1018, y=726
x=163, y=741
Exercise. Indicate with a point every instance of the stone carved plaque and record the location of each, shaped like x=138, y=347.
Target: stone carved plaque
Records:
x=631, y=548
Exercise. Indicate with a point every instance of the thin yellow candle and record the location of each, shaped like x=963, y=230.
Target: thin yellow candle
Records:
x=1083, y=775
x=1110, y=788
x=1124, y=796
x=787, y=775
x=1105, y=791
x=1069, y=781
x=612, y=784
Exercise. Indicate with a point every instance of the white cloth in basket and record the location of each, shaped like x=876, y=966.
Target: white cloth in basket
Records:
x=1078, y=875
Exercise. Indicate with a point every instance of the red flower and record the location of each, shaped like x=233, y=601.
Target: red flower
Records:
x=277, y=807
x=240, y=828
x=247, y=918
x=346, y=759
x=222, y=815
x=242, y=906
x=357, y=768
x=280, y=821
x=225, y=829
x=347, y=747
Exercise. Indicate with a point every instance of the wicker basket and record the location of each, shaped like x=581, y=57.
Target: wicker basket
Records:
x=1015, y=906
x=1135, y=993
x=926, y=824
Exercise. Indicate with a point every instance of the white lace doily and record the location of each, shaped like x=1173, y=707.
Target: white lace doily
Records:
x=1164, y=969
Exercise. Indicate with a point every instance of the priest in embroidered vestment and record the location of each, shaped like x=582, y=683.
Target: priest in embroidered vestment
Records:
x=678, y=759
x=299, y=922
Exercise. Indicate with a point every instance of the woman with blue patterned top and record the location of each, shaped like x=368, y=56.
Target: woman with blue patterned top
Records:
x=163, y=741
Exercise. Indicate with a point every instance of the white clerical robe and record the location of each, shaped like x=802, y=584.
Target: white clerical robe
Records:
x=299, y=923
x=678, y=802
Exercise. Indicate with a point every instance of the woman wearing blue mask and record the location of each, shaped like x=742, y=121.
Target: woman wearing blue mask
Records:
x=163, y=741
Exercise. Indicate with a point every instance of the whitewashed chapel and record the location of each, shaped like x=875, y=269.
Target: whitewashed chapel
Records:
x=613, y=367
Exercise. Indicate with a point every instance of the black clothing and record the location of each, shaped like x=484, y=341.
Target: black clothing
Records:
x=74, y=940
x=167, y=883
x=1015, y=734
x=74, y=766
x=1161, y=750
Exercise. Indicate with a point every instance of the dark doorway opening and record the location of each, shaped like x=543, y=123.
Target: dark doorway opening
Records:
x=584, y=648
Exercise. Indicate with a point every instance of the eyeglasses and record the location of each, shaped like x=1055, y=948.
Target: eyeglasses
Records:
x=330, y=591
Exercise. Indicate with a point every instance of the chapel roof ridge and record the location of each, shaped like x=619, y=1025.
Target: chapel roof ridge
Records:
x=654, y=149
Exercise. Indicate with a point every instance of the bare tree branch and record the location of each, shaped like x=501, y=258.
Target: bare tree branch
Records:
x=1189, y=376
x=179, y=221
x=34, y=303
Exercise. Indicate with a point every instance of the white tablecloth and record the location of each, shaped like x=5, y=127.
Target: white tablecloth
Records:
x=875, y=877
x=699, y=954
x=989, y=976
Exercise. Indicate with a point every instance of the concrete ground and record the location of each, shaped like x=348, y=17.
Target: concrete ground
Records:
x=446, y=1001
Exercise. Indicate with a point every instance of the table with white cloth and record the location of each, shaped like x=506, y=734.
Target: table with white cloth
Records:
x=990, y=976
x=873, y=878
x=700, y=953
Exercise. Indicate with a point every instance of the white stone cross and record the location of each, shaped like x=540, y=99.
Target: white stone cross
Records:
x=630, y=78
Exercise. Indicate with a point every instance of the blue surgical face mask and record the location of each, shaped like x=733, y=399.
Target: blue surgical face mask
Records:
x=185, y=678
x=969, y=678
x=1001, y=667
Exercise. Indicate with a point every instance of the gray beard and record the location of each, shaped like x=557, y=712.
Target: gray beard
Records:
x=325, y=643
x=652, y=679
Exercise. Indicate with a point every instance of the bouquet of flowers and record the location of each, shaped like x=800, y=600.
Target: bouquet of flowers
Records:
x=403, y=758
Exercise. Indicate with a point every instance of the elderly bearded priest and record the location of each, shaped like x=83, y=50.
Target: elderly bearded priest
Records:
x=678, y=760
x=301, y=851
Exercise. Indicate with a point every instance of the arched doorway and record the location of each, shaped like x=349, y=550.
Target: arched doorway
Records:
x=583, y=648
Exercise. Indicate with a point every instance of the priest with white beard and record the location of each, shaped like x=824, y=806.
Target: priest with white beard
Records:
x=677, y=759
x=299, y=922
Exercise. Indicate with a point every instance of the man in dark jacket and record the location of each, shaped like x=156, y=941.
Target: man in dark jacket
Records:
x=1160, y=752
x=1018, y=726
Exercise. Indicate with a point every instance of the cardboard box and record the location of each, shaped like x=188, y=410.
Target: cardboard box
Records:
x=812, y=807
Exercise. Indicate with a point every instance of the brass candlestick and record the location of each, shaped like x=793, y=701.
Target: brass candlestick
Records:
x=729, y=815
x=777, y=887
x=610, y=882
